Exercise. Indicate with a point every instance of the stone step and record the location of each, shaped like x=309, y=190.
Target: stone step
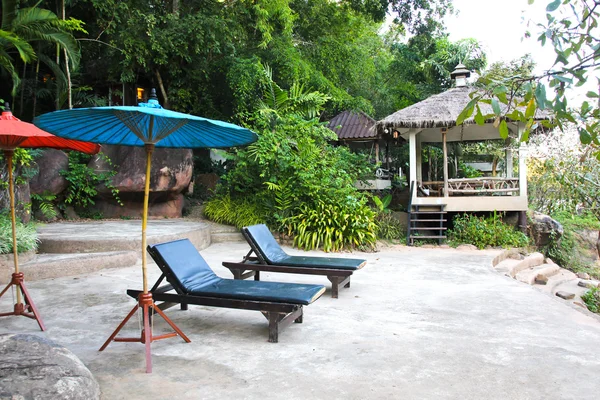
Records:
x=223, y=237
x=109, y=235
x=505, y=266
x=54, y=265
x=537, y=274
x=571, y=287
x=532, y=260
x=220, y=228
x=562, y=277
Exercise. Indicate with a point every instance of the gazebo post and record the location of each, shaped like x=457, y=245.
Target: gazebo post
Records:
x=509, y=159
x=412, y=143
x=445, y=150
x=419, y=159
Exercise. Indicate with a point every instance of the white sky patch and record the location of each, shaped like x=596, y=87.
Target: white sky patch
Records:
x=500, y=27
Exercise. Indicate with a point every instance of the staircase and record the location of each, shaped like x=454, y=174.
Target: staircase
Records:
x=425, y=221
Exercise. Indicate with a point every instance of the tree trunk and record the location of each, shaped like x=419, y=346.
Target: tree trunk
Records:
x=494, y=166
x=598, y=244
x=20, y=113
x=175, y=5
x=161, y=86
x=35, y=84
x=67, y=69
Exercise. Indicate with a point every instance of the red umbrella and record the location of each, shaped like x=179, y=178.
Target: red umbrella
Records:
x=16, y=133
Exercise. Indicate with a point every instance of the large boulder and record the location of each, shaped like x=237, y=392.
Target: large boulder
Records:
x=544, y=230
x=171, y=169
x=170, y=175
x=49, y=180
x=33, y=367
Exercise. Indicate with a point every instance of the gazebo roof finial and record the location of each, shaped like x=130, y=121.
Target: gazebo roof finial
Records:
x=460, y=74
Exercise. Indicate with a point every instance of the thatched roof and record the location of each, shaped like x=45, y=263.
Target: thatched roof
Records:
x=439, y=111
x=350, y=125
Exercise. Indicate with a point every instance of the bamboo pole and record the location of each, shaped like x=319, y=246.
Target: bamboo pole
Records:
x=149, y=149
x=11, y=192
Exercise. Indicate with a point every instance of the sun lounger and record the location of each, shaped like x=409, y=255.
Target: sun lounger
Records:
x=269, y=256
x=194, y=282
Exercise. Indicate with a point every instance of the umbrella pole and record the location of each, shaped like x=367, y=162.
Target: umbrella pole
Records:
x=145, y=301
x=28, y=309
x=149, y=149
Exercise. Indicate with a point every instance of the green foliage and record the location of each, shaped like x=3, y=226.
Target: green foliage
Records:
x=292, y=171
x=26, y=236
x=573, y=250
x=45, y=203
x=591, y=298
x=83, y=181
x=389, y=227
x=237, y=212
x=383, y=204
x=334, y=226
x=484, y=231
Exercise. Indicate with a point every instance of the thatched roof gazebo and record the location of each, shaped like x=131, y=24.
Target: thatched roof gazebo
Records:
x=434, y=121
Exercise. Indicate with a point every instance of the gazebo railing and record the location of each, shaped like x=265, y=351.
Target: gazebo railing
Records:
x=484, y=186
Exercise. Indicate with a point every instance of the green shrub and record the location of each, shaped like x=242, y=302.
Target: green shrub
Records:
x=334, y=226
x=83, y=180
x=482, y=232
x=26, y=236
x=237, y=212
x=591, y=298
x=389, y=228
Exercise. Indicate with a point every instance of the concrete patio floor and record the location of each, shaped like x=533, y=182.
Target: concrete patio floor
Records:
x=417, y=323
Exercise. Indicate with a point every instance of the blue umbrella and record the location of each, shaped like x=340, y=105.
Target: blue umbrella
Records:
x=151, y=126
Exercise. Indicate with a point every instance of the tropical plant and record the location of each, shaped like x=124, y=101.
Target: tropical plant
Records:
x=591, y=298
x=83, y=181
x=483, y=231
x=23, y=28
x=236, y=212
x=45, y=203
x=334, y=226
x=26, y=236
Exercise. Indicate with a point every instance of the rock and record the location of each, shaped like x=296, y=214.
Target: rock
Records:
x=467, y=247
x=33, y=367
x=541, y=279
x=49, y=180
x=565, y=295
x=171, y=169
x=544, y=229
x=170, y=206
x=171, y=174
x=588, y=284
x=70, y=213
x=583, y=275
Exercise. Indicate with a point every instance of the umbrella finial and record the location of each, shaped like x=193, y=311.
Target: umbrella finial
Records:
x=152, y=100
x=6, y=106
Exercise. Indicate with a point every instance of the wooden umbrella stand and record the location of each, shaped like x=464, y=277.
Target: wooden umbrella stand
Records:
x=28, y=309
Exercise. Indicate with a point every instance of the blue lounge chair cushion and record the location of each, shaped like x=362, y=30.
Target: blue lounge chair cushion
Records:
x=193, y=275
x=274, y=254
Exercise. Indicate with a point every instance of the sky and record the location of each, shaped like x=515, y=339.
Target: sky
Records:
x=500, y=26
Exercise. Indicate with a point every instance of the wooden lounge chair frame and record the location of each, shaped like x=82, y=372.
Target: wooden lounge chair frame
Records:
x=251, y=266
x=279, y=315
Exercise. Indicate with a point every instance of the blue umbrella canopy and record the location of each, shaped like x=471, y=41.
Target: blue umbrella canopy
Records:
x=144, y=124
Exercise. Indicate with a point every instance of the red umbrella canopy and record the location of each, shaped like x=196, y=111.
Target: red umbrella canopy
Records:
x=16, y=133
